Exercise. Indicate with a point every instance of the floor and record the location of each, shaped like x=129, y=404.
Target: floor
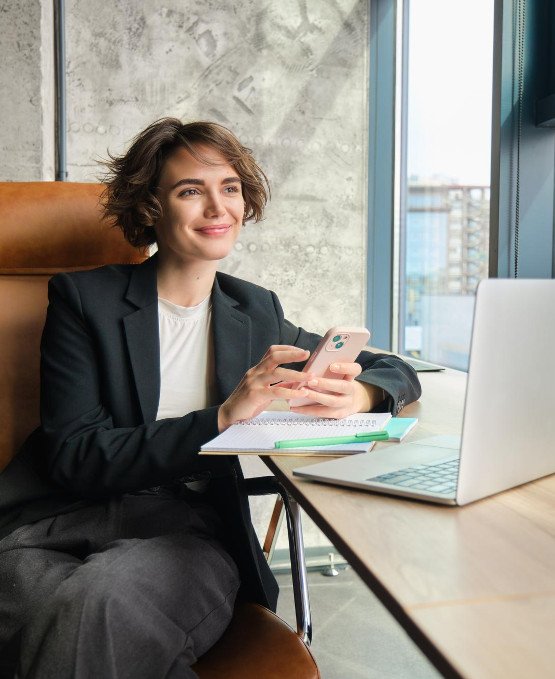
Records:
x=354, y=637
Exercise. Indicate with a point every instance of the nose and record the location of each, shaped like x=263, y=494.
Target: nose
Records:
x=214, y=205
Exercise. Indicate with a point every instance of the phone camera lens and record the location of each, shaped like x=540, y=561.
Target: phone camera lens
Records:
x=337, y=338
x=339, y=345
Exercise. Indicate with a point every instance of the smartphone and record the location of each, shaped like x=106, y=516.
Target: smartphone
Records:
x=339, y=345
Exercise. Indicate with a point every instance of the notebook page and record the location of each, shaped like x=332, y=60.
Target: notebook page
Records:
x=260, y=433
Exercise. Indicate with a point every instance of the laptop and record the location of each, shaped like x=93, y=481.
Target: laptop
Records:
x=508, y=432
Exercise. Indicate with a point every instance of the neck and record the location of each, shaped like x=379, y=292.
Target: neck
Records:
x=186, y=284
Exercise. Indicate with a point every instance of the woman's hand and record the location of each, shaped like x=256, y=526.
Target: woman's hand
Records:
x=263, y=383
x=341, y=396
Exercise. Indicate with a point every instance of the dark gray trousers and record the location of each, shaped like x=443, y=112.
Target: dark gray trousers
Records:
x=136, y=587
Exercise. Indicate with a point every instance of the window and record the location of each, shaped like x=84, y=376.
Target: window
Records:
x=444, y=183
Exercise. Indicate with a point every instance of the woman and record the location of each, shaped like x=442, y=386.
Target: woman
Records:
x=133, y=550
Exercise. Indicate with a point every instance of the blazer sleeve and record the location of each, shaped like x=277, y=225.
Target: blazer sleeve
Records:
x=398, y=379
x=78, y=446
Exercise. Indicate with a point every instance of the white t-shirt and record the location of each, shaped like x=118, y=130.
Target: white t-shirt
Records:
x=186, y=358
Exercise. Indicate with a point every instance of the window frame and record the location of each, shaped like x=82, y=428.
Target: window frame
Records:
x=387, y=161
x=381, y=170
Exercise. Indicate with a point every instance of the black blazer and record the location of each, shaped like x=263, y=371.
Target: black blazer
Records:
x=100, y=385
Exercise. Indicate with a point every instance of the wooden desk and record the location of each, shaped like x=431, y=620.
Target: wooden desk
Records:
x=473, y=586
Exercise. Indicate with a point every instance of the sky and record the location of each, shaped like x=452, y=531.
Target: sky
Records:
x=449, y=93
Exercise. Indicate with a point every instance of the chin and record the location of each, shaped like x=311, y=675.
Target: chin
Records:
x=216, y=254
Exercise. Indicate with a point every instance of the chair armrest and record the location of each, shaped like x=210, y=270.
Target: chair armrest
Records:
x=269, y=485
x=263, y=485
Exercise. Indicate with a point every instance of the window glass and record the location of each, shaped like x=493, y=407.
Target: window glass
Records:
x=445, y=221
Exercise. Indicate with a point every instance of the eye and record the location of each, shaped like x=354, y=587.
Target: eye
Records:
x=188, y=192
x=232, y=189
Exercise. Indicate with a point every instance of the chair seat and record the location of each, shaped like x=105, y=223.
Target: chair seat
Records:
x=257, y=644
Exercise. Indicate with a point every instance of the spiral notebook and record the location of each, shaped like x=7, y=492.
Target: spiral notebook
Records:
x=258, y=435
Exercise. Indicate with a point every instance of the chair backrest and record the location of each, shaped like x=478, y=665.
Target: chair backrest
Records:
x=45, y=228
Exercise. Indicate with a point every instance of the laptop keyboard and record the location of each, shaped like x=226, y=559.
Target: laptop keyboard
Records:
x=440, y=477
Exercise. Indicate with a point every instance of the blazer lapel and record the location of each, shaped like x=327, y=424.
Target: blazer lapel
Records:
x=232, y=341
x=142, y=335
x=231, y=333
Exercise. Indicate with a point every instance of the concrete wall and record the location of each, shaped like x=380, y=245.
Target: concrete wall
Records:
x=290, y=78
x=27, y=91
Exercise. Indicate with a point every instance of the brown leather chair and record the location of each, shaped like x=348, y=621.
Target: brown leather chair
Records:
x=47, y=227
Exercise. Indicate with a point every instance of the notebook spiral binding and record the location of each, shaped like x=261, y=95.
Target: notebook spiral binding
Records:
x=321, y=422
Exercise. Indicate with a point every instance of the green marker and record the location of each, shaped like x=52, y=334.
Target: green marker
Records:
x=362, y=437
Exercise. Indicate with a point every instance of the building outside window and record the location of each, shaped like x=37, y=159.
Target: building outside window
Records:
x=444, y=225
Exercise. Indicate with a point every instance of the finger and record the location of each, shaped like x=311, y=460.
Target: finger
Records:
x=284, y=377
x=278, y=354
x=348, y=369
x=273, y=357
x=331, y=385
x=320, y=411
x=332, y=400
x=287, y=385
x=289, y=375
x=282, y=347
x=283, y=392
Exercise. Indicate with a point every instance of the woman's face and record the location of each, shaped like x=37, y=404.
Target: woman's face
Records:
x=202, y=207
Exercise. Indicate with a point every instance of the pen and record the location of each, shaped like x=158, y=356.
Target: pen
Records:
x=361, y=437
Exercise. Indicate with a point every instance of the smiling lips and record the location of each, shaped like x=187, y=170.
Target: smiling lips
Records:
x=214, y=229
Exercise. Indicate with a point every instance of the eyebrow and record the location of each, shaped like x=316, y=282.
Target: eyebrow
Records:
x=200, y=182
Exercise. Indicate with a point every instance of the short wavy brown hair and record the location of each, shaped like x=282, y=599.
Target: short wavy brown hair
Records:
x=131, y=180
